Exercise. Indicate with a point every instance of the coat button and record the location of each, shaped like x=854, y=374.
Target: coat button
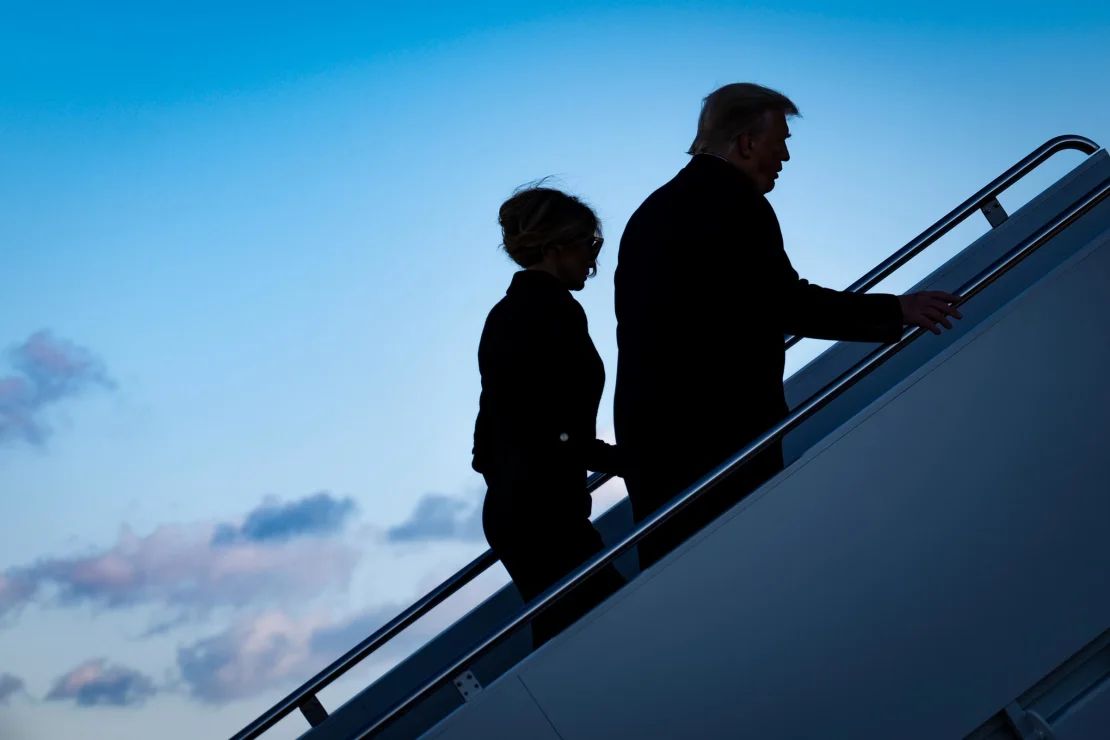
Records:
x=564, y=437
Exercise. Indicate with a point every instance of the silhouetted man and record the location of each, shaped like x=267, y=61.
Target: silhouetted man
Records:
x=704, y=295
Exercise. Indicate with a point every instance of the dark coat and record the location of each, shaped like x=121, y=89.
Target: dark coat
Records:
x=704, y=296
x=542, y=378
x=534, y=440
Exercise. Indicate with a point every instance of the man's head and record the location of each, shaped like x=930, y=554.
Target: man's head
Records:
x=746, y=124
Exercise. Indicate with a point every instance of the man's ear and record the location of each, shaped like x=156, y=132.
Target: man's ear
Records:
x=743, y=144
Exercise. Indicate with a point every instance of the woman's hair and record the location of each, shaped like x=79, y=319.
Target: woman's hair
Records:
x=536, y=218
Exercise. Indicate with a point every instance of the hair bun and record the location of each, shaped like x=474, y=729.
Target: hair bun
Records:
x=536, y=218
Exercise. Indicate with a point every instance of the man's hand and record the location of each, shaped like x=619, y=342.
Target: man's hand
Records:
x=929, y=308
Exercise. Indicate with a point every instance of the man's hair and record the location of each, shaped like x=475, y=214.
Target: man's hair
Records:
x=733, y=109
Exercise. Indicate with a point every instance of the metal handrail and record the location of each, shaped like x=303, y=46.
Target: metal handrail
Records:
x=822, y=398
x=308, y=691
x=980, y=201
x=304, y=697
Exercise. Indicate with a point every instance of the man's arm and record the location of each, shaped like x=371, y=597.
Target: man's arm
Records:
x=812, y=311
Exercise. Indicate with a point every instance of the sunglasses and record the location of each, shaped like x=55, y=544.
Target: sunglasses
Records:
x=594, y=246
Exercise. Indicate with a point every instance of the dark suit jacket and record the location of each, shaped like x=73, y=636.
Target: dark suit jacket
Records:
x=704, y=295
x=542, y=378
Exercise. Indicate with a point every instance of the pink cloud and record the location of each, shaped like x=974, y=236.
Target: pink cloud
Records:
x=179, y=565
x=275, y=649
x=50, y=370
x=190, y=569
x=253, y=655
x=95, y=682
x=268, y=650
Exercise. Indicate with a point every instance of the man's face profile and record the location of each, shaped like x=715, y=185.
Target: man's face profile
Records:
x=764, y=152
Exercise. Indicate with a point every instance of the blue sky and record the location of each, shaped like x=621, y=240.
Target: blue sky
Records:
x=247, y=252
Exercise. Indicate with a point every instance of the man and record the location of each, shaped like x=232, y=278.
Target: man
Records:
x=704, y=295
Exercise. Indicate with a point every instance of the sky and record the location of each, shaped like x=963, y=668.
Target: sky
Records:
x=247, y=250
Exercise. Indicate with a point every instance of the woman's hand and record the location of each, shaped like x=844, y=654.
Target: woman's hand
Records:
x=602, y=457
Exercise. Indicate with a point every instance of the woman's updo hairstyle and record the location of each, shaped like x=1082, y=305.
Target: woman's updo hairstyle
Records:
x=536, y=218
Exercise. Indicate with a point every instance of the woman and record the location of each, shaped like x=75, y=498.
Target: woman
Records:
x=535, y=437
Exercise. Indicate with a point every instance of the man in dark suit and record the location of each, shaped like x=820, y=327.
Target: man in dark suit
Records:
x=704, y=295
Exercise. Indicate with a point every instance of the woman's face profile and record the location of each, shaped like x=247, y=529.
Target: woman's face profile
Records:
x=574, y=262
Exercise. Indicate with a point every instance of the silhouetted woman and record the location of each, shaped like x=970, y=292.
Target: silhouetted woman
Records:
x=542, y=378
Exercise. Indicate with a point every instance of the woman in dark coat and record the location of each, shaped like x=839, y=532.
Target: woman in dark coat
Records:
x=535, y=437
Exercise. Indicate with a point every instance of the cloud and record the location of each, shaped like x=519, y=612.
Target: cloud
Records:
x=336, y=638
x=439, y=517
x=9, y=686
x=268, y=650
x=273, y=649
x=320, y=514
x=49, y=370
x=191, y=568
x=94, y=683
x=15, y=590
